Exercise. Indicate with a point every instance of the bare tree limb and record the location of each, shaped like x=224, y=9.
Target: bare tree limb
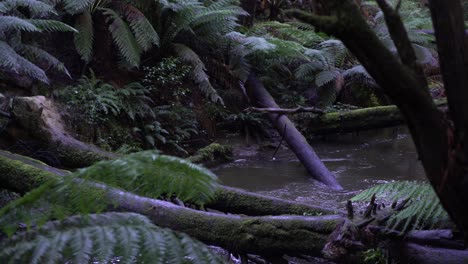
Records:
x=299, y=109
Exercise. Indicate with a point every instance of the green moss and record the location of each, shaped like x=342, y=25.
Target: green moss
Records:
x=18, y=176
x=212, y=154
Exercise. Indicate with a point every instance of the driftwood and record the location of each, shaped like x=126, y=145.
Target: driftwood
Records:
x=296, y=141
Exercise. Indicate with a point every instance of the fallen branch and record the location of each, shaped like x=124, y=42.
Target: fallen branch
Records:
x=299, y=109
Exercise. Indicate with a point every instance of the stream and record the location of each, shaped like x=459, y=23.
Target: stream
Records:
x=359, y=161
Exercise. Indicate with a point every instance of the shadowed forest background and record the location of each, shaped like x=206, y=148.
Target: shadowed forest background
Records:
x=226, y=131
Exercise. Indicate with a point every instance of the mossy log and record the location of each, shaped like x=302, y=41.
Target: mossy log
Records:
x=286, y=128
x=238, y=201
x=358, y=119
x=266, y=235
x=37, y=118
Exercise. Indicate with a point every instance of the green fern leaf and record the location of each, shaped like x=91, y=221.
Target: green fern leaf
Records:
x=326, y=77
x=85, y=37
x=77, y=6
x=14, y=62
x=123, y=37
x=51, y=25
x=36, y=54
x=16, y=23
x=37, y=8
x=150, y=174
x=122, y=237
x=146, y=36
x=198, y=71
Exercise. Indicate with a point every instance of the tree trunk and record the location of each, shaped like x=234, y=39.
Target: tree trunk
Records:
x=441, y=146
x=37, y=118
x=249, y=6
x=292, y=136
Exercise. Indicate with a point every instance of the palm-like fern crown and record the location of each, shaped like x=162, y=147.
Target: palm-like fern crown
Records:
x=106, y=237
x=20, y=58
x=131, y=31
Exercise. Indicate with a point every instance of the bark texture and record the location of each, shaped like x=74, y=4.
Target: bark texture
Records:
x=296, y=141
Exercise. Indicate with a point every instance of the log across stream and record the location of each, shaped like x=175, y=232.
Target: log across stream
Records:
x=359, y=160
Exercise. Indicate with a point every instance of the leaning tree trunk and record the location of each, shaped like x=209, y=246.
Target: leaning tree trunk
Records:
x=296, y=141
x=37, y=118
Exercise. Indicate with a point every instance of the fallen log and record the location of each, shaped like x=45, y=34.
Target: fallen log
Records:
x=414, y=253
x=238, y=201
x=283, y=111
x=266, y=235
x=14, y=166
x=344, y=121
x=37, y=118
x=355, y=120
x=296, y=141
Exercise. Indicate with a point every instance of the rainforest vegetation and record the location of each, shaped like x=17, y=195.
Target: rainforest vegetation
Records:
x=115, y=117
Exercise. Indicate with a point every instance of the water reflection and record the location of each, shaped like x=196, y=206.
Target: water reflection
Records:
x=358, y=160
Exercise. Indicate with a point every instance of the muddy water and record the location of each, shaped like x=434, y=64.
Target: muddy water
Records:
x=358, y=161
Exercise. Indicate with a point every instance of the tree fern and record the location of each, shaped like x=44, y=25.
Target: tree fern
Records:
x=106, y=238
x=424, y=210
x=18, y=17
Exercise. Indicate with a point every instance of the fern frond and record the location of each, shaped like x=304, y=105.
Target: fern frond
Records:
x=327, y=76
x=180, y=21
x=47, y=25
x=16, y=23
x=37, y=8
x=85, y=37
x=423, y=54
x=150, y=174
x=123, y=37
x=308, y=70
x=121, y=237
x=77, y=6
x=424, y=210
x=334, y=50
x=12, y=61
x=146, y=36
x=198, y=71
x=36, y=54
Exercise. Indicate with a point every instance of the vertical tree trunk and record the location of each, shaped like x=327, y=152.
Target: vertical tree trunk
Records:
x=249, y=6
x=292, y=136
